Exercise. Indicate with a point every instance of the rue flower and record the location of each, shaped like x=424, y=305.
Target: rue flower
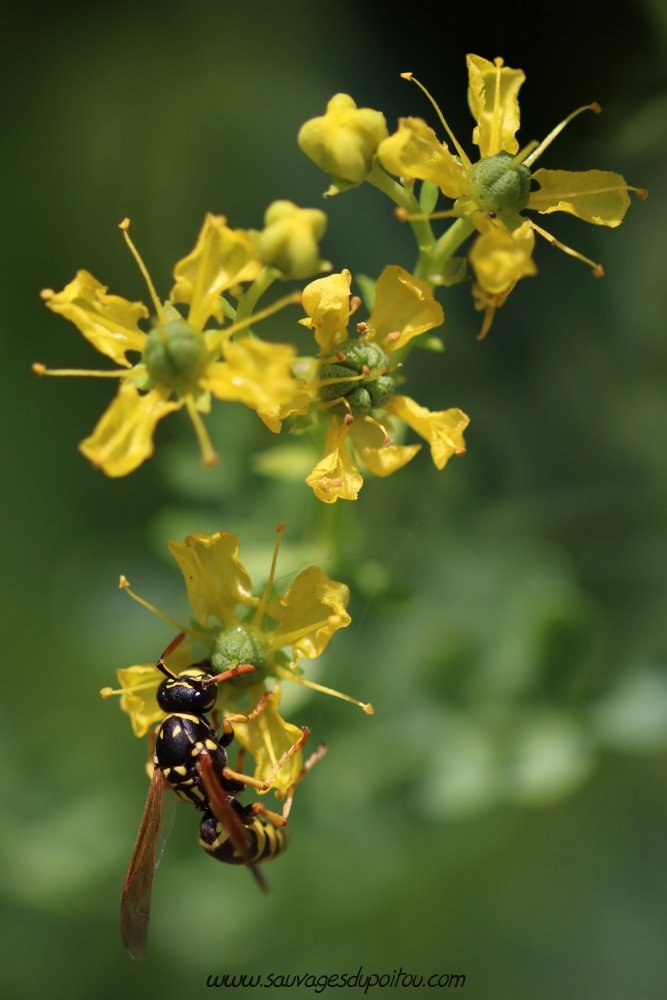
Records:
x=358, y=386
x=490, y=194
x=272, y=636
x=183, y=364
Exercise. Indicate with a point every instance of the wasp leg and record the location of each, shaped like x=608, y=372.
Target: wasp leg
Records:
x=313, y=759
x=263, y=786
x=257, y=808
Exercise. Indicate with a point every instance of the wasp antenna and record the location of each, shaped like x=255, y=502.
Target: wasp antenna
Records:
x=168, y=651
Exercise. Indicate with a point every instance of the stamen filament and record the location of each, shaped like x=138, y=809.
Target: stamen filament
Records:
x=286, y=675
x=559, y=128
x=40, y=369
x=208, y=453
x=522, y=154
x=159, y=309
x=261, y=607
x=459, y=149
x=124, y=585
x=320, y=382
x=294, y=298
x=404, y=216
x=598, y=270
x=107, y=692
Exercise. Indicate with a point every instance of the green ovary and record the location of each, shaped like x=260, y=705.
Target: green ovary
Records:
x=176, y=355
x=361, y=395
x=498, y=188
x=236, y=645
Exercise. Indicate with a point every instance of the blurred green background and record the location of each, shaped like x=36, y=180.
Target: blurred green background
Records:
x=504, y=813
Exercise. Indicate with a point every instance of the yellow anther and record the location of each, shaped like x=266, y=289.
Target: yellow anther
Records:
x=38, y=368
x=124, y=582
x=107, y=692
x=125, y=224
x=406, y=76
x=46, y=294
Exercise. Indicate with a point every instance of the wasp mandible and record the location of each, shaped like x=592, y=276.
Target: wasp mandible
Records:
x=190, y=757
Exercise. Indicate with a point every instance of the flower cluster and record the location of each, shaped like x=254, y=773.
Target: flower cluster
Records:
x=183, y=362
x=488, y=195
x=301, y=621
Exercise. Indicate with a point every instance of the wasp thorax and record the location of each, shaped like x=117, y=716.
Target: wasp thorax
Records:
x=361, y=395
x=497, y=187
x=176, y=355
x=238, y=644
x=186, y=693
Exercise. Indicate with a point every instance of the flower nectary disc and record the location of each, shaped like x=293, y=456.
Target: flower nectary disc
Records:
x=176, y=355
x=239, y=644
x=497, y=187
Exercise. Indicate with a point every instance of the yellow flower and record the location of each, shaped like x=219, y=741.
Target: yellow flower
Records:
x=497, y=188
x=289, y=241
x=343, y=141
x=355, y=382
x=182, y=363
x=306, y=616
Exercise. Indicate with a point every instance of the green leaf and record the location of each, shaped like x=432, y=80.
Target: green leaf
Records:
x=428, y=196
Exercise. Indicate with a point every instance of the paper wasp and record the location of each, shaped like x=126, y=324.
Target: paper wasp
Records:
x=190, y=757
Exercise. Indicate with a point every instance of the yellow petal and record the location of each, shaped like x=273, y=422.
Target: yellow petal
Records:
x=123, y=437
x=327, y=302
x=382, y=459
x=215, y=577
x=598, y=196
x=267, y=738
x=141, y=705
x=501, y=257
x=109, y=322
x=415, y=151
x=259, y=374
x=342, y=142
x=405, y=305
x=299, y=402
x=493, y=99
x=222, y=258
x=442, y=429
x=310, y=612
x=335, y=475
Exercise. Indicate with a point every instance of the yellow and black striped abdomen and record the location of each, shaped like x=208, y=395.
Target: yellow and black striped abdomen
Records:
x=265, y=841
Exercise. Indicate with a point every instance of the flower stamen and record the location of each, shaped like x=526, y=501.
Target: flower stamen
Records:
x=124, y=585
x=459, y=148
x=159, y=308
x=209, y=455
x=219, y=336
x=40, y=369
x=598, y=270
x=261, y=607
x=559, y=128
x=286, y=675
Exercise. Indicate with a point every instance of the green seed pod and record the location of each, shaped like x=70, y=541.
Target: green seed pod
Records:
x=358, y=354
x=238, y=644
x=175, y=355
x=498, y=188
x=359, y=401
x=380, y=389
x=336, y=389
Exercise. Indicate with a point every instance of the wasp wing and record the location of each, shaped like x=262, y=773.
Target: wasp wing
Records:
x=136, y=902
x=225, y=814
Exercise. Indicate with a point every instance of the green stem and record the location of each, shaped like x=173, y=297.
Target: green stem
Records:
x=249, y=299
x=421, y=227
x=450, y=241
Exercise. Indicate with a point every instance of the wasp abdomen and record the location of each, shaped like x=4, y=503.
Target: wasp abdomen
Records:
x=265, y=841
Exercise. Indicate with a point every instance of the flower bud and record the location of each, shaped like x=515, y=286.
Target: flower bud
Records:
x=289, y=239
x=343, y=141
